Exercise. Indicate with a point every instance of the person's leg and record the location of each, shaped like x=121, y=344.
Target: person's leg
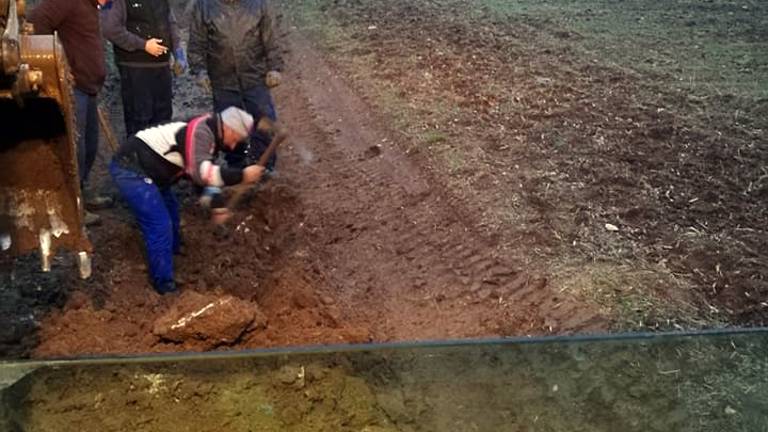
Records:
x=148, y=206
x=81, y=120
x=172, y=205
x=136, y=89
x=259, y=103
x=82, y=109
x=162, y=90
x=91, y=135
x=126, y=94
x=223, y=99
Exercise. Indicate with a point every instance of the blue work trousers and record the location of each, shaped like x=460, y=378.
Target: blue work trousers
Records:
x=256, y=101
x=87, y=124
x=157, y=213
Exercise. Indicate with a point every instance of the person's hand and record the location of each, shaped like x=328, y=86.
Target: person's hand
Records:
x=155, y=47
x=204, y=82
x=180, y=61
x=252, y=174
x=273, y=79
x=206, y=197
x=220, y=216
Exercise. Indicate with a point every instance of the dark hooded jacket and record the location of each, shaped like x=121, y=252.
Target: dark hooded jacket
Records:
x=234, y=41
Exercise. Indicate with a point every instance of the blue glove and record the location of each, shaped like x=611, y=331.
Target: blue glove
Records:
x=209, y=194
x=180, y=59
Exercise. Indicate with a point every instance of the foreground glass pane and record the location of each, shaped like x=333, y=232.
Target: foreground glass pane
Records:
x=661, y=383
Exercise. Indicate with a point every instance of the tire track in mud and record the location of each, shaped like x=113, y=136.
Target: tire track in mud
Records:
x=356, y=242
x=393, y=242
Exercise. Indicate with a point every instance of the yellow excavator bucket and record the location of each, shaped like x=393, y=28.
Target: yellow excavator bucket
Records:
x=40, y=203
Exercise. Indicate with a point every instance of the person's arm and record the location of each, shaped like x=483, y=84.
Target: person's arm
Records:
x=198, y=39
x=179, y=57
x=206, y=173
x=114, y=30
x=175, y=38
x=274, y=58
x=48, y=16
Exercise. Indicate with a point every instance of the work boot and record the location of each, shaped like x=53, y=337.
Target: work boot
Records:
x=96, y=202
x=91, y=219
x=166, y=288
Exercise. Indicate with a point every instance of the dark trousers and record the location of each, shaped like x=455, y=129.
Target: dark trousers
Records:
x=256, y=101
x=157, y=212
x=147, y=96
x=87, y=124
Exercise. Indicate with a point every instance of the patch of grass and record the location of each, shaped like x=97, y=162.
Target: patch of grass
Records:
x=637, y=297
x=732, y=390
x=710, y=47
x=307, y=15
x=455, y=161
x=433, y=137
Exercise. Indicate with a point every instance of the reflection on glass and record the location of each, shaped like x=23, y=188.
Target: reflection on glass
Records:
x=664, y=383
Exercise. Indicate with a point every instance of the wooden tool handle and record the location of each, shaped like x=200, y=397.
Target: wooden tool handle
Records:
x=106, y=129
x=239, y=190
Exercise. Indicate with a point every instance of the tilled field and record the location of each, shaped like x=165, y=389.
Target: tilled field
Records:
x=619, y=148
x=448, y=175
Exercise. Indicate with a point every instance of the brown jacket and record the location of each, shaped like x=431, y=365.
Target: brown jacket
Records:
x=77, y=23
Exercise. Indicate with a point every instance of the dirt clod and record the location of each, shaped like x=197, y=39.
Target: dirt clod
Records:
x=211, y=319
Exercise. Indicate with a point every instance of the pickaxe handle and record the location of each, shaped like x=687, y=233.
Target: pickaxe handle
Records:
x=277, y=139
x=106, y=129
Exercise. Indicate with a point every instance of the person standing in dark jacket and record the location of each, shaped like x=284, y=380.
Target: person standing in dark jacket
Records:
x=77, y=24
x=234, y=41
x=144, y=33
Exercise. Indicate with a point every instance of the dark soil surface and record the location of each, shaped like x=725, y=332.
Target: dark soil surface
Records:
x=592, y=139
x=448, y=175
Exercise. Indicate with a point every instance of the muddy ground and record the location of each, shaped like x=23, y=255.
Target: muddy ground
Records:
x=455, y=172
x=682, y=384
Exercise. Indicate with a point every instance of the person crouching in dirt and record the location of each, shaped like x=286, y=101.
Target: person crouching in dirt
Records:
x=234, y=41
x=146, y=166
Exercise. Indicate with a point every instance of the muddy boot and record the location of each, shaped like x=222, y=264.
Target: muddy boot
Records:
x=166, y=288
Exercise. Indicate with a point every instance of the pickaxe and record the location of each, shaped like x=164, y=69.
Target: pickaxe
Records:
x=264, y=125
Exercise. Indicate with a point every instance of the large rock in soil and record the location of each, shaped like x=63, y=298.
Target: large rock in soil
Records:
x=208, y=318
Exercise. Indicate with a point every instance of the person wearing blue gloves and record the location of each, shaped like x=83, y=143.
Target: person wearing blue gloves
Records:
x=144, y=34
x=146, y=166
